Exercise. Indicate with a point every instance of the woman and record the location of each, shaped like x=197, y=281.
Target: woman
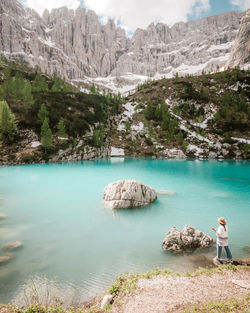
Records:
x=222, y=238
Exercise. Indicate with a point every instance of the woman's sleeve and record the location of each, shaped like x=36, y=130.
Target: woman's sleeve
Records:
x=220, y=233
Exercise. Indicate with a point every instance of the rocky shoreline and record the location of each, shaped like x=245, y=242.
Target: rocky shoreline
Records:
x=26, y=153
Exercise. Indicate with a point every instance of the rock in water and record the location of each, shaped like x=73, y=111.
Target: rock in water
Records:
x=128, y=194
x=13, y=245
x=187, y=239
x=247, y=248
x=4, y=258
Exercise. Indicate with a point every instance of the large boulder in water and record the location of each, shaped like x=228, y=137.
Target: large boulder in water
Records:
x=187, y=239
x=128, y=194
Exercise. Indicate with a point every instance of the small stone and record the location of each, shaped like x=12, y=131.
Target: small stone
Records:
x=13, y=245
x=106, y=300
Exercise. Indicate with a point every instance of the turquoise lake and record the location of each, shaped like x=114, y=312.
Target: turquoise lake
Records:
x=56, y=211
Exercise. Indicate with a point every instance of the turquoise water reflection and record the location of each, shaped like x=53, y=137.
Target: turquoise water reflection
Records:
x=56, y=211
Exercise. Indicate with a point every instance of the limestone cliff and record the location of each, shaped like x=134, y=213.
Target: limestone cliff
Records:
x=240, y=54
x=75, y=45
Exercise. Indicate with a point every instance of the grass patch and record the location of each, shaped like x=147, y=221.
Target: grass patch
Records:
x=233, y=305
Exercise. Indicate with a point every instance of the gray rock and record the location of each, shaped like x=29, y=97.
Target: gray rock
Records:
x=174, y=154
x=128, y=194
x=212, y=155
x=187, y=239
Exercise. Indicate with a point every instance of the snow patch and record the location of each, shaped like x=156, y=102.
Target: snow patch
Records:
x=35, y=144
x=138, y=128
x=241, y=140
x=62, y=138
x=222, y=46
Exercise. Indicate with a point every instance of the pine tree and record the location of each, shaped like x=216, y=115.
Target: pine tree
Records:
x=92, y=89
x=28, y=99
x=17, y=86
x=149, y=111
x=58, y=85
x=46, y=134
x=40, y=83
x=8, y=122
x=42, y=114
x=180, y=137
x=61, y=130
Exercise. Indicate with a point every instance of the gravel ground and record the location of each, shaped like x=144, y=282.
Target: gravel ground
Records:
x=173, y=294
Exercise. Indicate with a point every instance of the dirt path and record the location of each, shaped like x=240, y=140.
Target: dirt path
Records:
x=173, y=294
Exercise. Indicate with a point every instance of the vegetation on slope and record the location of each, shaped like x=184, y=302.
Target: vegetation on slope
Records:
x=223, y=99
x=30, y=97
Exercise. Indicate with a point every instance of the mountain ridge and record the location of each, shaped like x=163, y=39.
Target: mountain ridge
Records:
x=74, y=44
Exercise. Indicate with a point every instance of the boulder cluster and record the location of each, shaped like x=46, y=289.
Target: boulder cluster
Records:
x=186, y=240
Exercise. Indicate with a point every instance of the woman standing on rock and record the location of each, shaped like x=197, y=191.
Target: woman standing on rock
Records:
x=222, y=238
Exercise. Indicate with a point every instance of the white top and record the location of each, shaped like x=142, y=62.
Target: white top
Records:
x=222, y=236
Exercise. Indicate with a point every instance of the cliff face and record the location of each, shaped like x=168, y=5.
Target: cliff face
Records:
x=186, y=47
x=74, y=44
x=71, y=43
x=240, y=54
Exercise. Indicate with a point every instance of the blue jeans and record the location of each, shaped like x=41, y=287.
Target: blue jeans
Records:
x=228, y=252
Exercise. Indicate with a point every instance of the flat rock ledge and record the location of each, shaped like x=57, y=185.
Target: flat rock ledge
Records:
x=188, y=239
x=128, y=194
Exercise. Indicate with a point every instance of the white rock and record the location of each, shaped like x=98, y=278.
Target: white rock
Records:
x=218, y=145
x=106, y=300
x=116, y=152
x=212, y=155
x=174, y=154
x=35, y=144
x=128, y=194
x=194, y=149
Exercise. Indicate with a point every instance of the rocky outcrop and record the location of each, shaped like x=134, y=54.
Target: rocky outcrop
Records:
x=74, y=44
x=186, y=240
x=240, y=54
x=128, y=194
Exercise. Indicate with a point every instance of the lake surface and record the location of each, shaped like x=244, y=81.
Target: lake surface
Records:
x=68, y=235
